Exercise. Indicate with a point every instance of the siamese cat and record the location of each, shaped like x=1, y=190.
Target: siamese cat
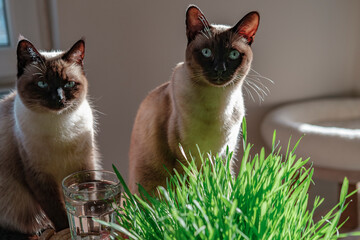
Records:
x=201, y=105
x=46, y=133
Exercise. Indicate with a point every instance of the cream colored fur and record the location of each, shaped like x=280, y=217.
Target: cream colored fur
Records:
x=38, y=148
x=181, y=112
x=202, y=105
x=53, y=144
x=64, y=142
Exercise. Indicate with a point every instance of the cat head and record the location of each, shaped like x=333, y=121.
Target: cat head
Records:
x=51, y=81
x=218, y=55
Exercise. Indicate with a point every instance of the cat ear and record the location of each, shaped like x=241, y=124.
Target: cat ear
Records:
x=76, y=53
x=26, y=54
x=196, y=23
x=248, y=26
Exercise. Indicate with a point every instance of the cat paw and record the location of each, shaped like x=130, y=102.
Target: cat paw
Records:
x=50, y=234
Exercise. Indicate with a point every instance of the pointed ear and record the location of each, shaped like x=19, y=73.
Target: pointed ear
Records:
x=26, y=54
x=76, y=53
x=248, y=26
x=196, y=23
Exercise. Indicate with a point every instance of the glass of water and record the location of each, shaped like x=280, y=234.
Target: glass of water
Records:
x=91, y=194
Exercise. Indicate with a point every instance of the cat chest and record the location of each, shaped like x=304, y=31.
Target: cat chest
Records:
x=57, y=156
x=212, y=136
x=55, y=147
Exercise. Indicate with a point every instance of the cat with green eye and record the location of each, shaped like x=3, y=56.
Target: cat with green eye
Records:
x=202, y=105
x=46, y=133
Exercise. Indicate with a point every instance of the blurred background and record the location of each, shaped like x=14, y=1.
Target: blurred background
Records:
x=309, y=49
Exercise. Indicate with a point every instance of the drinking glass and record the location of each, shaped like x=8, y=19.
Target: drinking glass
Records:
x=91, y=194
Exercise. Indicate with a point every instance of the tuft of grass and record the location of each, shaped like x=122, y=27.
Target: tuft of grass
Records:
x=267, y=200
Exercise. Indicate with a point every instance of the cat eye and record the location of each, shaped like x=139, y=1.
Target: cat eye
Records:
x=234, y=54
x=42, y=84
x=206, y=52
x=69, y=84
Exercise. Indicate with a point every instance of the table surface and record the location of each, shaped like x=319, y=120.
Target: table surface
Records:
x=48, y=234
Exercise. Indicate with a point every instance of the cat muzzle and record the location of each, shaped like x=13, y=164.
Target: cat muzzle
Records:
x=58, y=99
x=60, y=93
x=220, y=68
x=219, y=81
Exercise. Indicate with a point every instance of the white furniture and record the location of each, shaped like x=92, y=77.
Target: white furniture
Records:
x=331, y=130
x=331, y=138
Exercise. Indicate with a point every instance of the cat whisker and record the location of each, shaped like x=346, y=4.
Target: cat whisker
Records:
x=249, y=93
x=41, y=75
x=252, y=88
x=255, y=90
x=259, y=82
x=232, y=83
x=195, y=77
x=42, y=63
x=206, y=27
x=238, y=78
x=260, y=76
x=253, y=81
x=202, y=32
x=99, y=112
x=92, y=99
x=260, y=91
x=37, y=67
x=195, y=81
x=259, y=88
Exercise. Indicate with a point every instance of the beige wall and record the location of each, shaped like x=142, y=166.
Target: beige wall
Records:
x=308, y=48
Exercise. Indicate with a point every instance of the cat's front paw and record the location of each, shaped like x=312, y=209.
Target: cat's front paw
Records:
x=50, y=234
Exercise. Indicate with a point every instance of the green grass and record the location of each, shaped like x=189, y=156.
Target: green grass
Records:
x=268, y=200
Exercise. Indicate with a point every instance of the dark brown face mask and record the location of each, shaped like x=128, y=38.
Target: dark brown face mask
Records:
x=217, y=50
x=53, y=83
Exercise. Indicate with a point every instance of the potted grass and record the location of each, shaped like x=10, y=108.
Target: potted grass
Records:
x=267, y=200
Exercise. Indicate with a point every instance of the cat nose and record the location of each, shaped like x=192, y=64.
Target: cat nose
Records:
x=58, y=96
x=220, y=68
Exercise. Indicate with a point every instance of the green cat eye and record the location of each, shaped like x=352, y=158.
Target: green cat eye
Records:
x=234, y=54
x=69, y=84
x=42, y=84
x=206, y=52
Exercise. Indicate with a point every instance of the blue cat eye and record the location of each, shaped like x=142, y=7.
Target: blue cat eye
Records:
x=42, y=84
x=206, y=52
x=234, y=54
x=69, y=84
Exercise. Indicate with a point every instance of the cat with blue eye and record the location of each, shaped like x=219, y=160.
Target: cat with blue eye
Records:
x=201, y=105
x=43, y=84
x=46, y=133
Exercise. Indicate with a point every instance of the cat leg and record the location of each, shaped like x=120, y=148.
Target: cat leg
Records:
x=149, y=177
x=48, y=193
x=19, y=211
